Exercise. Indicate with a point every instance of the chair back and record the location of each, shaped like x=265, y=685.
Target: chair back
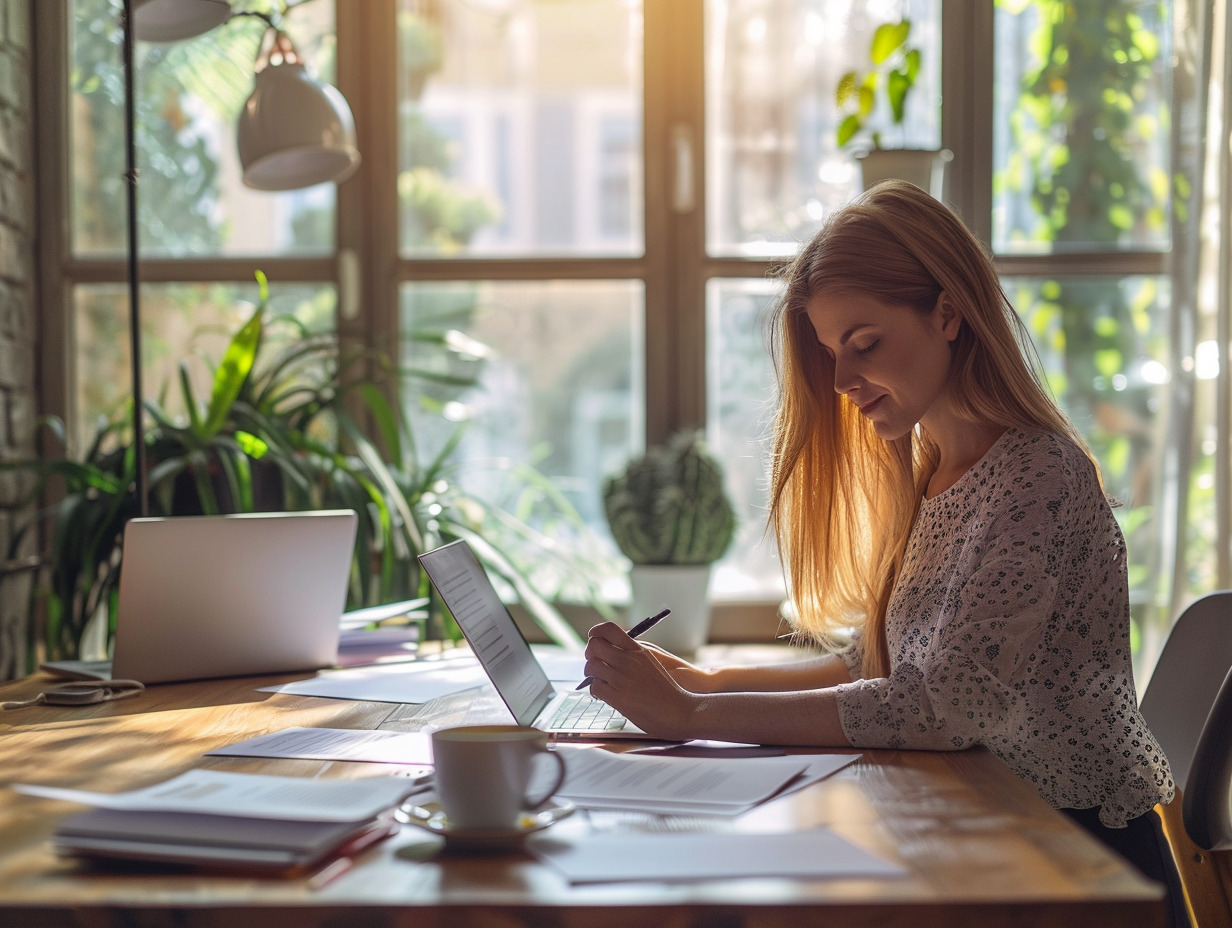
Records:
x=1192, y=666
x=1206, y=799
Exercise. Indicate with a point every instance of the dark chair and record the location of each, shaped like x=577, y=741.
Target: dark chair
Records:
x=1192, y=666
x=1204, y=846
x=1188, y=707
x=1207, y=798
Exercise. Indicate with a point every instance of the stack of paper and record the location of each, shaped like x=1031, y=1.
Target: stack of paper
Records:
x=360, y=745
x=599, y=779
x=232, y=821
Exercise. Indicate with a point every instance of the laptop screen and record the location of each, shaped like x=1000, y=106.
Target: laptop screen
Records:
x=490, y=629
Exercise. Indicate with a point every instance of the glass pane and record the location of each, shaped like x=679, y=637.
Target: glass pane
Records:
x=548, y=374
x=191, y=200
x=519, y=127
x=774, y=165
x=1201, y=530
x=1082, y=125
x=740, y=408
x=188, y=323
x=1104, y=344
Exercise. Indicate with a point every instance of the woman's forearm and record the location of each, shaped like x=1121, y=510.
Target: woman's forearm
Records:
x=812, y=674
x=807, y=717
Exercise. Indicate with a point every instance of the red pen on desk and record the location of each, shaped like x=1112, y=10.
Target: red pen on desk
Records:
x=639, y=629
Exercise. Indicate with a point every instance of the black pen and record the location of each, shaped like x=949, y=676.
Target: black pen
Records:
x=639, y=629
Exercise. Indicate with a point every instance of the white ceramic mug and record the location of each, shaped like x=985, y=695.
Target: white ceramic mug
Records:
x=483, y=773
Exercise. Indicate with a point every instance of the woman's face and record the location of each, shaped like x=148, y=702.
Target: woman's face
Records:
x=891, y=361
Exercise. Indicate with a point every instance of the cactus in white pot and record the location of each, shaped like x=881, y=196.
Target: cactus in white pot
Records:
x=670, y=514
x=669, y=506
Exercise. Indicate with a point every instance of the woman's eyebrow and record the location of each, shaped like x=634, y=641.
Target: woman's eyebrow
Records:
x=846, y=336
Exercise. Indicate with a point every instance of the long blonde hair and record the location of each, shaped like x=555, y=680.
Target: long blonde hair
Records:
x=843, y=499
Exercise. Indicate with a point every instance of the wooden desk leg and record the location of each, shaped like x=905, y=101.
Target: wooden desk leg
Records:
x=1204, y=875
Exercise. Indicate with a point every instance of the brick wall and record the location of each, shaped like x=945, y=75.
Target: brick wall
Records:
x=17, y=309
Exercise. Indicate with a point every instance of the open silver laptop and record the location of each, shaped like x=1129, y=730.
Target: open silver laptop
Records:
x=224, y=596
x=507, y=658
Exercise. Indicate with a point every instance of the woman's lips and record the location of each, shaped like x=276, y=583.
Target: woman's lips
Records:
x=867, y=408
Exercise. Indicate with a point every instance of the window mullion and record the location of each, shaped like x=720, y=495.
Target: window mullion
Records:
x=367, y=244
x=1084, y=264
x=967, y=42
x=675, y=229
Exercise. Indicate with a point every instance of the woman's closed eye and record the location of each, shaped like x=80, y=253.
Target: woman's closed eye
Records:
x=869, y=347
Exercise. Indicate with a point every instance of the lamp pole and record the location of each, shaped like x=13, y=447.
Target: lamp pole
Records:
x=134, y=277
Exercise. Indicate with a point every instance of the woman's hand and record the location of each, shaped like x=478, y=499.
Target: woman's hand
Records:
x=640, y=681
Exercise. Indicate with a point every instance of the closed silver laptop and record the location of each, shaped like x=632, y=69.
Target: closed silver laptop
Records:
x=223, y=596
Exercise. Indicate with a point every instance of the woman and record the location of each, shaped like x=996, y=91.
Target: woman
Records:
x=932, y=503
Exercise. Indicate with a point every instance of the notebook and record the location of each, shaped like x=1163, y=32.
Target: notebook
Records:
x=225, y=596
x=506, y=656
x=230, y=844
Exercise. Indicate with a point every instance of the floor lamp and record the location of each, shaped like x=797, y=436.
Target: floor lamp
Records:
x=134, y=265
x=294, y=132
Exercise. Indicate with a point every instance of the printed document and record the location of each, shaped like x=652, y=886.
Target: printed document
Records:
x=421, y=680
x=360, y=745
x=407, y=682
x=599, y=779
x=814, y=853
x=249, y=795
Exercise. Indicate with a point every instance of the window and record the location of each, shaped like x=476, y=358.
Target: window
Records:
x=1090, y=199
x=201, y=233
x=772, y=69
x=522, y=139
x=191, y=201
x=584, y=200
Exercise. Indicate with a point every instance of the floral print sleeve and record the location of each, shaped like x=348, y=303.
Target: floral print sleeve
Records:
x=1009, y=628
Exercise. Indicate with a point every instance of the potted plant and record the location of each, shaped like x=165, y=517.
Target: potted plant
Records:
x=669, y=514
x=880, y=90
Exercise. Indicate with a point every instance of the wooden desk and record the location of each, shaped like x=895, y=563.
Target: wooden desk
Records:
x=980, y=847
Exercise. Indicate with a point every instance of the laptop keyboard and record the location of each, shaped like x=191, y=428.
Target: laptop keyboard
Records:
x=580, y=711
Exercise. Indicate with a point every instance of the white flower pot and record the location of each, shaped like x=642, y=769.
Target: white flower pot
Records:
x=923, y=167
x=685, y=589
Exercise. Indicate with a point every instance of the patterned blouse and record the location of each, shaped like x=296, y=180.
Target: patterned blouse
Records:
x=1009, y=628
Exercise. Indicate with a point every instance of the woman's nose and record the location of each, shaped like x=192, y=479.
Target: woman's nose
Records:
x=844, y=380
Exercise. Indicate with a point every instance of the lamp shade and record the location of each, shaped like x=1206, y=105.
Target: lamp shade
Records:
x=174, y=20
x=295, y=131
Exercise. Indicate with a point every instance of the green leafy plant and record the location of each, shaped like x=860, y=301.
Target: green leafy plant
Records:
x=280, y=430
x=894, y=66
x=670, y=506
x=441, y=213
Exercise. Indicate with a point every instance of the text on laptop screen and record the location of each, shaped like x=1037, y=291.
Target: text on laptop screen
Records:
x=490, y=629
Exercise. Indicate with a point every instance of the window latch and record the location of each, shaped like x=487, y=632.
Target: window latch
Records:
x=683, y=198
